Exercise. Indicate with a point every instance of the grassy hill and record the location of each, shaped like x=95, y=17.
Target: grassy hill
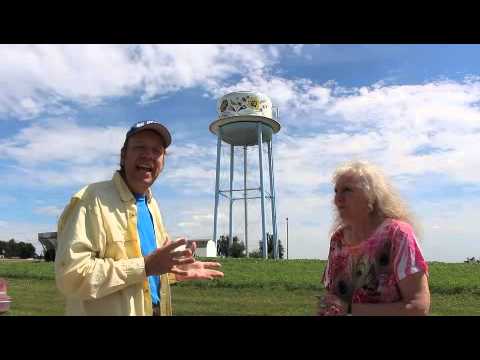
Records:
x=250, y=287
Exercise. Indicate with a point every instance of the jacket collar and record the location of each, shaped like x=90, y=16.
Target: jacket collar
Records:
x=122, y=188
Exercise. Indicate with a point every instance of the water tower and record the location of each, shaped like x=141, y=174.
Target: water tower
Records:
x=245, y=119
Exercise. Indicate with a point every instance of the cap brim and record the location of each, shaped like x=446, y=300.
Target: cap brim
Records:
x=159, y=129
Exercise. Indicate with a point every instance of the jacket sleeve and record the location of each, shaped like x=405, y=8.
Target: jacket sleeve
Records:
x=80, y=269
x=172, y=279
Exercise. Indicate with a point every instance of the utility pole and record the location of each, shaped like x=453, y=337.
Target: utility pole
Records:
x=287, y=238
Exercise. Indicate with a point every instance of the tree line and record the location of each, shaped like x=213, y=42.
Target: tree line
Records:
x=237, y=248
x=20, y=249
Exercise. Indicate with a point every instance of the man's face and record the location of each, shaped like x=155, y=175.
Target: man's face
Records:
x=143, y=160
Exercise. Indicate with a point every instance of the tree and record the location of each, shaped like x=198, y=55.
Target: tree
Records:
x=236, y=249
x=13, y=249
x=3, y=248
x=255, y=254
x=49, y=255
x=270, y=247
x=25, y=250
x=222, y=246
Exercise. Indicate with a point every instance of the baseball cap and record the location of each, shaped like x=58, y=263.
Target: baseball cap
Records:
x=151, y=125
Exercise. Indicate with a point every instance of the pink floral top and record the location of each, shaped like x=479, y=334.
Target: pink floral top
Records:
x=370, y=271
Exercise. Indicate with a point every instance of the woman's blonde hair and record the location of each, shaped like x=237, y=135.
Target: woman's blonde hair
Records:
x=384, y=201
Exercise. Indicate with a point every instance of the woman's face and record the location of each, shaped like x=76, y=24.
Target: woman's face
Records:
x=350, y=199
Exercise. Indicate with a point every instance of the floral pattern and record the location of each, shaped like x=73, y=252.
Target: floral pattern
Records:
x=224, y=105
x=253, y=103
x=370, y=272
x=245, y=103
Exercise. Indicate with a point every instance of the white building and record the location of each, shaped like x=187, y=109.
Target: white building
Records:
x=205, y=248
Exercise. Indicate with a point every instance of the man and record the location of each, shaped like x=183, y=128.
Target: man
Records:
x=113, y=254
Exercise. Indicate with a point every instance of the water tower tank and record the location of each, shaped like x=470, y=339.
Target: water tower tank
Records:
x=245, y=118
x=239, y=113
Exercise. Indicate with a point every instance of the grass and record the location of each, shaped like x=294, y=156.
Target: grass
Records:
x=250, y=287
x=246, y=301
x=34, y=297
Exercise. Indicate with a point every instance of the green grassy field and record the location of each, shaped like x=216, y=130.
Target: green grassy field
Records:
x=250, y=287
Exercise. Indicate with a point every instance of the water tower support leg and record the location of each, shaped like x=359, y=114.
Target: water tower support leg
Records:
x=217, y=183
x=245, y=196
x=262, y=192
x=230, y=232
x=273, y=200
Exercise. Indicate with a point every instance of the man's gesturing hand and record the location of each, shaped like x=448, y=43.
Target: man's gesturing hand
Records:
x=165, y=259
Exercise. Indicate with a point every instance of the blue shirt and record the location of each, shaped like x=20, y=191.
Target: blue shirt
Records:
x=146, y=233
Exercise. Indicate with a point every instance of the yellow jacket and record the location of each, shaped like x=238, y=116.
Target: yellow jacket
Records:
x=99, y=265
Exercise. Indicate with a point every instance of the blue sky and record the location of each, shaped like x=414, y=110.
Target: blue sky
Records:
x=412, y=109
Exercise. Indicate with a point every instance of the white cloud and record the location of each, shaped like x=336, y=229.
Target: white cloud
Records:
x=197, y=224
x=62, y=153
x=297, y=49
x=39, y=79
x=293, y=97
x=63, y=140
x=49, y=210
x=425, y=107
x=391, y=125
x=304, y=163
x=172, y=67
x=190, y=168
x=447, y=233
x=61, y=176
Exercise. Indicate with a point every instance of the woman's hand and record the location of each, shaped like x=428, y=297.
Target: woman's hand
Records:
x=332, y=305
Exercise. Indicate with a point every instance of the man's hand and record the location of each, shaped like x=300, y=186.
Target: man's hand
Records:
x=199, y=270
x=165, y=259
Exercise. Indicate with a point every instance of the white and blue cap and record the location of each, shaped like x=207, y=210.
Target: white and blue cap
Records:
x=151, y=125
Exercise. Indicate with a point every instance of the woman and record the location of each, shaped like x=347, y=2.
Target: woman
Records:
x=375, y=265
